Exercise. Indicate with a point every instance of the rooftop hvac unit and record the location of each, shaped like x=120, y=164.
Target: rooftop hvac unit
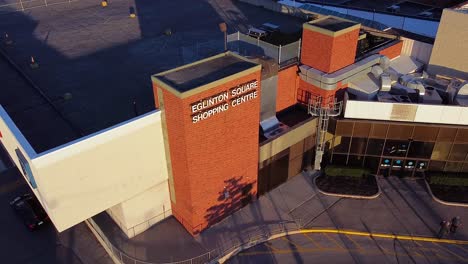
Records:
x=426, y=14
x=393, y=8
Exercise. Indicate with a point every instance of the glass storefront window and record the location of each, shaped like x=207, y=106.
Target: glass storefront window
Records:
x=436, y=165
x=425, y=133
x=358, y=145
x=462, y=135
x=341, y=144
x=421, y=165
x=410, y=164
x=371, y=163
x=339, y=159
x=355, y=160
x=361, y=130
x=344, y=128
x=400, y=132
x=397, y=148
x=375, y=146
x=420, y=149
x=386, y=162
x=453, y=166
x=458, y=152
x=441, y=151
x=379, y=131
x=397, y=163
x=447, y=134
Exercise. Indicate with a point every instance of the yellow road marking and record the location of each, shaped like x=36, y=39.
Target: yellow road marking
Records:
x=379, y=235
x=334, y=240
x=316, y=244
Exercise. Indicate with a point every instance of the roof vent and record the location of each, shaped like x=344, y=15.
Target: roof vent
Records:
x=393, y=8
x=426, y=14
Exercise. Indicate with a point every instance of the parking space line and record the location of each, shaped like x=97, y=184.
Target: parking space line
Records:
x=462, y=248
x=292, y=243
x=435, y=251
x=450, y=252
x=268, y=245
x=354, y=242
x=334, y=241
x=313, y=241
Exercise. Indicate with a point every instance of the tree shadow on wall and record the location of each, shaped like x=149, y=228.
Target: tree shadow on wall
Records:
x=235, y=195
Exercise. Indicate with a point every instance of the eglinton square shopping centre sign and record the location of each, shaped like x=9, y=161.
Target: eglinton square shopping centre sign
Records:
x=221, y=102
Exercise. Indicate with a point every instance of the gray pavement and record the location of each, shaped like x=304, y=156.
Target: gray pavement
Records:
x=18, y=245
x=342, y=248
x=404, y=208
x=105, y=59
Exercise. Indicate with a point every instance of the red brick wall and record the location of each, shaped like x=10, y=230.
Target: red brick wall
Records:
x=392, y=51
x=327, y=53
x=316, y=91
x=287, y=88
x=206, y=157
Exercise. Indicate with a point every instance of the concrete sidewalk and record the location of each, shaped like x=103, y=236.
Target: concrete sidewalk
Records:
x=405, y=207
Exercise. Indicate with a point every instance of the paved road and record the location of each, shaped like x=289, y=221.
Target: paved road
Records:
x=45, y=246
x=341, y=248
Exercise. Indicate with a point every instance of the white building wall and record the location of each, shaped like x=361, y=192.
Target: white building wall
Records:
x=421, y=113
x=85, y=177
x=12, y=139
x=416, y=49
x=139, y=213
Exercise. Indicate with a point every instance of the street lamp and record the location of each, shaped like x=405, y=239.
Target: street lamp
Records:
x=223, y=28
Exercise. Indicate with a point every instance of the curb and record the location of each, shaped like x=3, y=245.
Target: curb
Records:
x=103, y=243
x=441, y=201
x=336, y=231
x=350, y=195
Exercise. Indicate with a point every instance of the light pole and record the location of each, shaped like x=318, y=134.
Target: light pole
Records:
x=223, y=28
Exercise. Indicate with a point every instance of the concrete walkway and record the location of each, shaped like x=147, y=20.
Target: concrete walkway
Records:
x=404, y=208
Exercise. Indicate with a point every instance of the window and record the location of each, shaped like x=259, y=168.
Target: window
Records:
x=441, y=151
x=355, y=161
x=396, y=148
x=379, y=131
x=386, y=162
x=358, y=145
x=400, y=132
x=341, y=144
x=458, y=152
x=447, y=134
x=462, y=135
x=339, y=159
x=375, y=146
x=361, y=129
x=344, y=128
x=436, y=165
x=420, y=149
x=25, y=168
x=425, y=133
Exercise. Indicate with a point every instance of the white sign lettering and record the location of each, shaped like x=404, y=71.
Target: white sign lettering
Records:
x=219, y=103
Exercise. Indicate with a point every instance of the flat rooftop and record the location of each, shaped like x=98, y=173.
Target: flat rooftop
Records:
x=189, y=77
x=332, y=24
x=105, y=59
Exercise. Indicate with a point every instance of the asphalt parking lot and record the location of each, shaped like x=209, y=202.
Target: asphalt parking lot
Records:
x=18, y=245
x=104, y=59
x=344, y=248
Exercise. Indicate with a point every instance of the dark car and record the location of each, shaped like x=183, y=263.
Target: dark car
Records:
x=30, y=210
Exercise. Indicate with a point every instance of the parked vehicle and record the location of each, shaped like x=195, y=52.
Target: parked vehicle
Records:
x=270, y=28
x=30, y=210
x=257, y=33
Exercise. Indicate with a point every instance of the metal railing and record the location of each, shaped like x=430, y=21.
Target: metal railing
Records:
x=249, y=46
x=248, y=237
x=130, y=232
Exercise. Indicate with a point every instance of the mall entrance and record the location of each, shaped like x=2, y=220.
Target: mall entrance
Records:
x=391, y=166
